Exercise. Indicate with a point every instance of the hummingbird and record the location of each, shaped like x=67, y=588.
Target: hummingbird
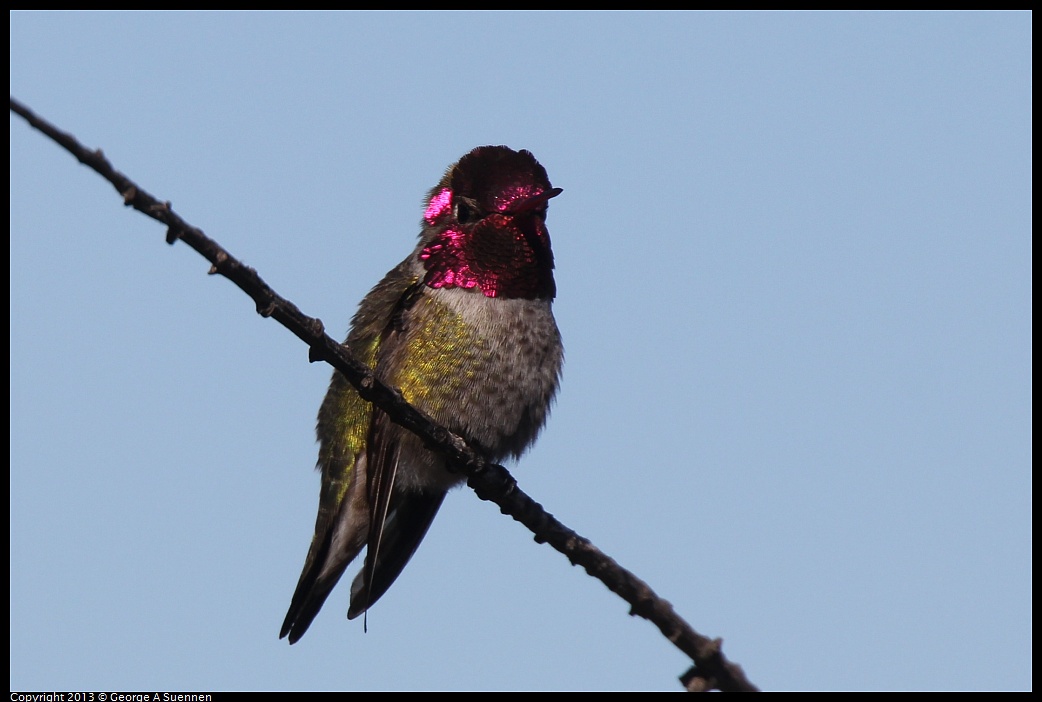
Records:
x=464, y=328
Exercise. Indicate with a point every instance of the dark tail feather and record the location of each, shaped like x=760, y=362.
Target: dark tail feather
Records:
x=407, y=522
x=310, y=595
x=338, y=540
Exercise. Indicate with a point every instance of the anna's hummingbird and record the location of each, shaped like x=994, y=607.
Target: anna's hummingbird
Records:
x=464, y=328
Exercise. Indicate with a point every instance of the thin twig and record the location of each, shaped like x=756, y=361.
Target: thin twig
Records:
x=491, y=482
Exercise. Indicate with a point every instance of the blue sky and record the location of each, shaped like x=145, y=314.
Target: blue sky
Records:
x=794, y=283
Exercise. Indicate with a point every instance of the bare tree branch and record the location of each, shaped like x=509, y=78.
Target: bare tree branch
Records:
x=711, y=669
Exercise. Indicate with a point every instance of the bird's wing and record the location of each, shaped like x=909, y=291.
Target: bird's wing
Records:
x=345, y=422
x=398, y=519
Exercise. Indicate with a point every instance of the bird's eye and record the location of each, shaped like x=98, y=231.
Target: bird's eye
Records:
x=464, y=212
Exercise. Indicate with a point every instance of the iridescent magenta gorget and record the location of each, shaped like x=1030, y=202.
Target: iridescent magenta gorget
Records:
x=504, y=253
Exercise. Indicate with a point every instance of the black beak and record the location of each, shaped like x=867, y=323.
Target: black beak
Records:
x=534, y=202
